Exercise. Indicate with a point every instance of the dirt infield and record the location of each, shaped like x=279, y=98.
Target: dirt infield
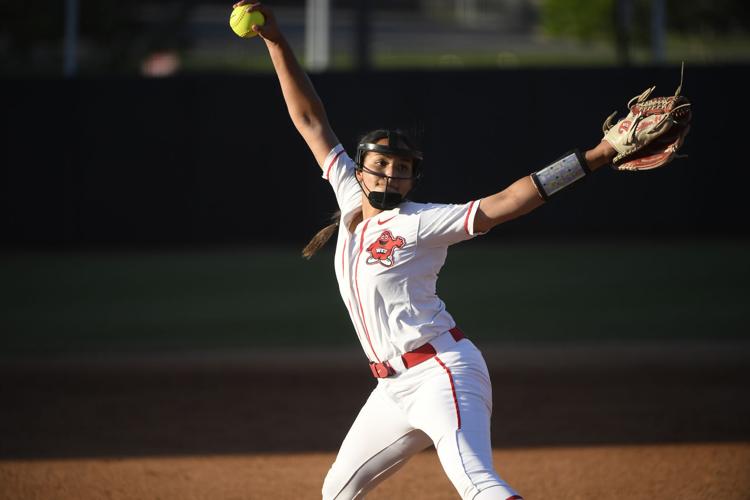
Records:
x=606, y=423
x=686, y=472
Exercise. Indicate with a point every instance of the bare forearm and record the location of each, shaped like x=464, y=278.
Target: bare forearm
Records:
x=522, y=196
x=517, y=199
x=305, y=107
x=303, y=104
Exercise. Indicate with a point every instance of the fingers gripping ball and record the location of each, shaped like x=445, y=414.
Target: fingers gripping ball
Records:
x=241, y=21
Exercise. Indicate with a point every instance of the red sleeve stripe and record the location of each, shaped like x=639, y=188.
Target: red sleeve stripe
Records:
x=453, y=388
x=333, y=160
x=466, y=221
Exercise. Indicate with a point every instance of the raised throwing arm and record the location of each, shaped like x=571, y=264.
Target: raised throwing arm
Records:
x=303, y=103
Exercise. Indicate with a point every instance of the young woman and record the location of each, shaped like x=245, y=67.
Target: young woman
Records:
x=432, y=383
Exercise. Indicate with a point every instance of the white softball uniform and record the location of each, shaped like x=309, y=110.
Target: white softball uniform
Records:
x=387, y=270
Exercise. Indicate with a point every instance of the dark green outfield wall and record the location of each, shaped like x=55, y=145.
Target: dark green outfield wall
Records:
x=211, y=160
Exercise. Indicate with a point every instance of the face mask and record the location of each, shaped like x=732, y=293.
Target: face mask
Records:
x=384, y=200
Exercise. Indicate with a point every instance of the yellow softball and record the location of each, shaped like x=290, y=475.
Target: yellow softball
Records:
x=241, y=21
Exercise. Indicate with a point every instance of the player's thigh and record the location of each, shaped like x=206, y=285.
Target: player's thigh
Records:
x=378, y=443
x=453, y=406
x=454, y=393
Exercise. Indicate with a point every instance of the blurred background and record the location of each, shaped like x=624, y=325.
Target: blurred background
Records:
x=148, y=38
x=155, y=195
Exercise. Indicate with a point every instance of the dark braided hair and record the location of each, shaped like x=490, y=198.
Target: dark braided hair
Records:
x=322, y=236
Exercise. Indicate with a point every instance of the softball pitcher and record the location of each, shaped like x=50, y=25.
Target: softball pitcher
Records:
x=432, y=383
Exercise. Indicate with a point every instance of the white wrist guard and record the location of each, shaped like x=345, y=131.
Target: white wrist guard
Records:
x=560, y=174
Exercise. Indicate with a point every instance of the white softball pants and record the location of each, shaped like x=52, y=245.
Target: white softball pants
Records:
x=445, y=401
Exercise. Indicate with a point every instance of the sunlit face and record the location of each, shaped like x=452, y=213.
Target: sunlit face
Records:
x=399, y=169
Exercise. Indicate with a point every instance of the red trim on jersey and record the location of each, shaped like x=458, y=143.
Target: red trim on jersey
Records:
x=356, y=285
x=514, y=497
x=352, y=313
x=328, y=171
x=343, y=252
x=343, y=278
x=453, y=388
x=466, y=221
x=362, y=236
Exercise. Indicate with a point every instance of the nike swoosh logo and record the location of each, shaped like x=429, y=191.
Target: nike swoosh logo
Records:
x=380, y=222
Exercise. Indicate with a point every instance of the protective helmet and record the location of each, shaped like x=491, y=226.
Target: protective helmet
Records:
x=398, y=145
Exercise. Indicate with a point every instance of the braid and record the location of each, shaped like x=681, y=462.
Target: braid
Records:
x=322, y=237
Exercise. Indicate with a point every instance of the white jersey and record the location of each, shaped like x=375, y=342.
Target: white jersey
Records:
x=387, y=268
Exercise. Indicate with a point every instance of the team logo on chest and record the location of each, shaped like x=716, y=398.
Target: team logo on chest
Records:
x=381, y=251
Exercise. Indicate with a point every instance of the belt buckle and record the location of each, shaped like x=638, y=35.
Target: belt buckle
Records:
x=382, y=370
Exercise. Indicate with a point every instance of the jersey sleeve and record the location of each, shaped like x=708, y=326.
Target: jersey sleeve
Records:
x=338, y=169
x=444, y=225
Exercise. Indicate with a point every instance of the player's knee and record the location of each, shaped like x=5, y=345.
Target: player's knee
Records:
x=343, y=485
x=478, y=480
x=334, y=485
x=482, y=485
x=497, y=493
x=330, y=487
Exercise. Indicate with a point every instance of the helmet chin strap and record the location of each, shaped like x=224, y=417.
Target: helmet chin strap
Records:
x=398, y=145
x=381, y=200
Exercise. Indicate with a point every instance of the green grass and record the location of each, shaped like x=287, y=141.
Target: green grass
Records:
x=550, y=53
x=270, y=297
x=165, y=300
x=602, y=291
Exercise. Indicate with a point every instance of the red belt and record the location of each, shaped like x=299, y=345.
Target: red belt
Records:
x=411, y=358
